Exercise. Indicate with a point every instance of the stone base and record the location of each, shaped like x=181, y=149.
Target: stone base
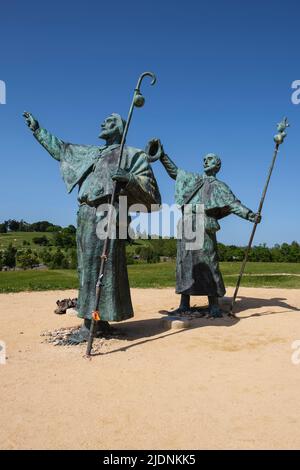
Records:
x=176, y=323
x=72, y=312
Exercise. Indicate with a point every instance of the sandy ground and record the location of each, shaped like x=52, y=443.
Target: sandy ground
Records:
x=220, y=384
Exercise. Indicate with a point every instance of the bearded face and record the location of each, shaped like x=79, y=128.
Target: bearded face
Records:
x=211, y=164
x=109, y=128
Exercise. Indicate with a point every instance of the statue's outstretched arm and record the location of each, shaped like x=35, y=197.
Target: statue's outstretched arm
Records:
x=242, y=211
x=227, y=203
x=155, y=151
x=52, y=144
x=169, y=165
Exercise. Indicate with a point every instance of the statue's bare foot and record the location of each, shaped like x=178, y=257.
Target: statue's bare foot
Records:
x=180, y=311
x=81, y=336
x=215, y=312
x=104, y=330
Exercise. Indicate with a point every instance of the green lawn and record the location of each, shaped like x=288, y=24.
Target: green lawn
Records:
x=281, y=282
x=154, y=275
x=33, y=280
x=17, y=238
x=259, y=268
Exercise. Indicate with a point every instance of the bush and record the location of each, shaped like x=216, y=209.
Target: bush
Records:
x=147, y=253
x=59, y=261
x=64, y=239
x=42, y=241
x=46, y=256
x=130, y=259
x=73, y=258
x=27, y=259
x=54, y=228
x=9, y=256
x=3, y=228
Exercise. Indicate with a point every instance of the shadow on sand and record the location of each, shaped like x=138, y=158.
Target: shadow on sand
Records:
x=154, y=329
x=252, y=303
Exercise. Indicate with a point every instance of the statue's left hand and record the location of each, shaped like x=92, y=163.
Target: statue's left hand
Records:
x=121, y=175
x=31, y=122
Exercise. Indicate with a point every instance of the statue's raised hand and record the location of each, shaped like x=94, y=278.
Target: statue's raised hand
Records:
x=31, y=122
x=154, y=150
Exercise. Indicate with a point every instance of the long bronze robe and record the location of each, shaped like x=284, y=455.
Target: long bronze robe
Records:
x=90, y=168
x=197, y=271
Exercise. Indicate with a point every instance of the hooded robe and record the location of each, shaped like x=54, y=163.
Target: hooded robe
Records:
x=90, y=168
x=197, y=271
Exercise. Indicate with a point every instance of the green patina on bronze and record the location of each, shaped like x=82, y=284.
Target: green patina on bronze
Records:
x=93, y=169
x=197, y=271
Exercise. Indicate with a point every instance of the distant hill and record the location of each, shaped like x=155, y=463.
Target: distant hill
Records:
x=57, y=249
x=18, y=239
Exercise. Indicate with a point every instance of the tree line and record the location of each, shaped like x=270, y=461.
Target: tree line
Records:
x=56, y=248
x=284, y=253
x=279, y=253
x=61, y=253
x=13, y=225
x=53, y=258
x=56, y=251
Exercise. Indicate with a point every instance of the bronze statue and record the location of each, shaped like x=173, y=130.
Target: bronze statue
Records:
x=197, y=271
x=94, y=169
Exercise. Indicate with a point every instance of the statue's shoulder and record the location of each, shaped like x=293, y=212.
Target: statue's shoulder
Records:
x=221, y=185
x=222, y=192
x=136, y=156
x=134, y=150
x=80, y=154
x=188, y=175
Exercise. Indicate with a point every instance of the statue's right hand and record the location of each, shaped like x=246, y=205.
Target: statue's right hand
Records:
x=31, y=122
x=154, y=150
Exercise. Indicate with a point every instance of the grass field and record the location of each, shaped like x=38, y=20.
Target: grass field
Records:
x=17, y=238
x=155, y=275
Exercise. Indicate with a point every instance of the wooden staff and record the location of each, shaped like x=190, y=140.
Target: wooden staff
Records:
x=278, y=138
x=137, y=101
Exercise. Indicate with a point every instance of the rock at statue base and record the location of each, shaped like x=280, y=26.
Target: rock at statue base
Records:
x=176, y=323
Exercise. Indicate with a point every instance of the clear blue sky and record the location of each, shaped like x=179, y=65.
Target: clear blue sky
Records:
x=224, y=72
